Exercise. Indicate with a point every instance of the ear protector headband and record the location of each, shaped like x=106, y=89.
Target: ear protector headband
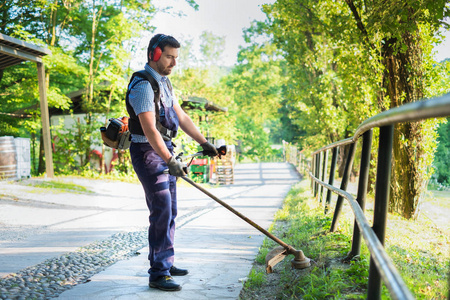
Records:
x=156, y=50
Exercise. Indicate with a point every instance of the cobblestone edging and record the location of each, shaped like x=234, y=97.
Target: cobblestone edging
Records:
x=52, y=277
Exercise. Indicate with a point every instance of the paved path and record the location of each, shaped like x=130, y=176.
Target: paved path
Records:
x=216, y=246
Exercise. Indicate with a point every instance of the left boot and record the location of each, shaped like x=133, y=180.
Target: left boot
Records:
x=165, y=283
x=174, y=271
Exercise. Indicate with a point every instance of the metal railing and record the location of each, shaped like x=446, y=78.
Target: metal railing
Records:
x=381, y=266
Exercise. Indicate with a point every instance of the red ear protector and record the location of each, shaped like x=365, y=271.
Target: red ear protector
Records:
x=156, y=50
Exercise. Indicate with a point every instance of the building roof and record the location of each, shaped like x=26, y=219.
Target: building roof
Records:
x=14, y=51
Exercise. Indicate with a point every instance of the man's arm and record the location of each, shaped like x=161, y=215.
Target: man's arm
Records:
x=188, y=126
x=148, y=121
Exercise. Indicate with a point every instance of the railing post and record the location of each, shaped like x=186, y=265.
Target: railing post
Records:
x=324, y=172
x=381, y=203
x=300, y=163
x=319, y=162
x=313, y=171
x=331, y=180
x=316, y=171
x=362, y=190
x=345, y=177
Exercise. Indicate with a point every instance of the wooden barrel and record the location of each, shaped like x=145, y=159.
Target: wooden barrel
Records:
x=8, y=162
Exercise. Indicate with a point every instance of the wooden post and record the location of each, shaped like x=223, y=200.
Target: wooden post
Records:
x=45, y=119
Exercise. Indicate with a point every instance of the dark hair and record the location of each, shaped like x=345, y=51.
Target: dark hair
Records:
x=164, y=40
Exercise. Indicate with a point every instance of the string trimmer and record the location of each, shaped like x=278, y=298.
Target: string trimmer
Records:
x=276, y=255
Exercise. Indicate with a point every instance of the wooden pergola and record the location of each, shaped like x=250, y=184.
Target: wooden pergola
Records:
x=14, y=51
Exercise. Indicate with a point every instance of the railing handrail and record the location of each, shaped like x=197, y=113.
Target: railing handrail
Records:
x=395, y=282
x=383, y=265
x=431, y=108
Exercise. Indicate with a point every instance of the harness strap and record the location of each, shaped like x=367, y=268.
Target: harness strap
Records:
x=135, y=126
x=166, y=132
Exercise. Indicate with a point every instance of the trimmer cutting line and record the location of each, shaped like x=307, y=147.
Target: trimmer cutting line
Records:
x=276, y=255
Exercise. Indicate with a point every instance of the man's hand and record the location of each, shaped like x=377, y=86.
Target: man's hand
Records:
x=176, y=167
x=209, y=149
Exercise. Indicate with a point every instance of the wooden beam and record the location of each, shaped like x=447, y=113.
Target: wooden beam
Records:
x=19, y=53
x=25, y=46
x=45, y=121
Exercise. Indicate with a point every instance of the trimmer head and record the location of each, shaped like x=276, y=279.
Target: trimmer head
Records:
x=276, y=255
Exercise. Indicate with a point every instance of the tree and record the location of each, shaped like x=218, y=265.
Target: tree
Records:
x=25, y=21
x=329, y=87
x=401, y=32
x=203, y=80
x=211, y=47
x=255, y=84
x=354, y=59
x=102, y=49
x=62, y=27
x=442, y=157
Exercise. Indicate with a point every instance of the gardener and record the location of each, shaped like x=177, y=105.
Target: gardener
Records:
x=154, y=119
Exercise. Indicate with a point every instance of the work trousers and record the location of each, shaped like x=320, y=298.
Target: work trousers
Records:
x=161, y=197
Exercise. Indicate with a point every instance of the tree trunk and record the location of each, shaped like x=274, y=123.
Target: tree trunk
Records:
x=95, y=20
x=41, y=165
x=408, y=182
x=403, y=84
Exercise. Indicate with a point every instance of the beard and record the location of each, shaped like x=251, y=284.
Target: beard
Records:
x=164, y=70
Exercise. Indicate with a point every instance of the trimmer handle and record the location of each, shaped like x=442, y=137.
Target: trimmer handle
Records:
x=222, y=150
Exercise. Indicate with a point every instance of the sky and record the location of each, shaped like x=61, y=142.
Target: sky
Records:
x=443, y=49
x=226, y=18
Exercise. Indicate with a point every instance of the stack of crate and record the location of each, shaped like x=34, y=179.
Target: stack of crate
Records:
x=199, y=169
x=224, y=167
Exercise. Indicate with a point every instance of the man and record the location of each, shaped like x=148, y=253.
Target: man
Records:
x=153, y=124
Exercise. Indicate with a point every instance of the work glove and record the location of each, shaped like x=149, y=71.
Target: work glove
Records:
x=176, y=167
x=209, y=149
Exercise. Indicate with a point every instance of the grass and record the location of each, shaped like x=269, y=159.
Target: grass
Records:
x=57, y=186
x=419, y=250
x=439, y=197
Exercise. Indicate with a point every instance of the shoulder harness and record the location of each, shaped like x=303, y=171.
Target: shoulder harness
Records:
x=133, y=123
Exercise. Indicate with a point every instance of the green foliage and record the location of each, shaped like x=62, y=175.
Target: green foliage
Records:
x=18, y=105
x=418, y=250
x=19, y=14
x=331, y=86
x=350, y=60
x=442, y=157
x=72, y=145
x=204, y=82
x=102, y=27
x=256, y=279
x=56, y=186
x=211, y=48
x=301, y=223
x=255, y=85
x=91, y=44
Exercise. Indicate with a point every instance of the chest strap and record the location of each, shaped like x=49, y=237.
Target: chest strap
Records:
x=166, y=133
x=135, y=126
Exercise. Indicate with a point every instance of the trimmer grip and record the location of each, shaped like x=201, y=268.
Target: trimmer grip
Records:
x=222, y=150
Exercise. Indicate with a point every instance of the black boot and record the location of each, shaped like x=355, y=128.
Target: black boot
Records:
x=174, y=271
x=165, y=283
